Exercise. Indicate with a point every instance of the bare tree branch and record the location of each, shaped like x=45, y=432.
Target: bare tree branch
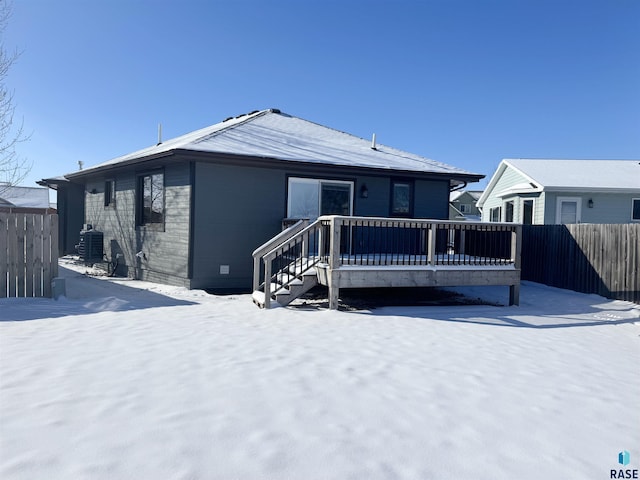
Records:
x=13, y=168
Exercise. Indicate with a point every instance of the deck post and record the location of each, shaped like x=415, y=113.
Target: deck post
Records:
x=334, y=262
x=267, y=282
x=334, y=293
x=431, y=244
x=514, y=294
x=256, y=273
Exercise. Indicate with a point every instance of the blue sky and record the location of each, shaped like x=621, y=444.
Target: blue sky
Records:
x=465, y=82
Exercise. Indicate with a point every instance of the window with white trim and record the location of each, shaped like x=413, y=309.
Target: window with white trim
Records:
x=568, y=210
x=508, y=211
x=527, y=212
x=494, y=214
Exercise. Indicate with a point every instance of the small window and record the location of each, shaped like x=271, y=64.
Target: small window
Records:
x=635, y=210
x=465, y=208
x=527, y=212
x=109, y=193
x=151, y=199
x=508, y=211
x=401, y=199
x=494, y=214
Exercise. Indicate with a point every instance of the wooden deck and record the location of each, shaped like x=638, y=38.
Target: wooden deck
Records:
x=362, y=252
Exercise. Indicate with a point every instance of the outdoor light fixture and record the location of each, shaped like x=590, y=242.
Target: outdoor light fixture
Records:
x=590, y=203
x=364, y=191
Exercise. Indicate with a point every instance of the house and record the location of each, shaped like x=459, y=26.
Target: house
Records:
x=191, y=210
x=70, y=209
x=18, y=199
x=463, y=205
x=536, y=191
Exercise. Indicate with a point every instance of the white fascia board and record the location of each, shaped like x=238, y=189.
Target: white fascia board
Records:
x=492, y=183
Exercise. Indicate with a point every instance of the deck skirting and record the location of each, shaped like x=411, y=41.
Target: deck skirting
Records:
x=416, y=276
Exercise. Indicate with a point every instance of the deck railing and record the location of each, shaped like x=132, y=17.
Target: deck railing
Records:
x=386, y=241
x=337, y=241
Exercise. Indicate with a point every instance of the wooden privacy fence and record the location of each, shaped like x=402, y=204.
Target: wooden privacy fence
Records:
x=588, y=258
x=28, y=254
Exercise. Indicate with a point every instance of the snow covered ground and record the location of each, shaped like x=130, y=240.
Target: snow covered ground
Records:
x=131, y=380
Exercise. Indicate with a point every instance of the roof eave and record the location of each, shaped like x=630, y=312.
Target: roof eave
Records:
x=458, y=178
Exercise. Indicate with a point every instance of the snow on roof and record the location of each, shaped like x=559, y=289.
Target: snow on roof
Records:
x=475, y=194
x=25, y=197
x=276, y=135
x=580, y=174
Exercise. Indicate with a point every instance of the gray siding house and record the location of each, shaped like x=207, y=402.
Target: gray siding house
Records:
x=531, y=191
x=463, y=203
x=191, y=210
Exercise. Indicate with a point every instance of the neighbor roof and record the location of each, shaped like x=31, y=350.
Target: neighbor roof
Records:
x=568, y=175
x=271, y=134
x=25, y=197
x=580, y=174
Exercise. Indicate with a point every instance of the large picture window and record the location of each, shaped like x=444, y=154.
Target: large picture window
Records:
x=311, y=197
x=151, y=199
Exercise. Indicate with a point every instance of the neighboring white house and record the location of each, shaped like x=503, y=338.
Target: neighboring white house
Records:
x=537, y=191
x=462, y=205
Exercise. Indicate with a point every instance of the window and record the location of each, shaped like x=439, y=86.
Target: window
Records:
x=527, y=212
x=311, y=197
x=465, y=208
x=508, y=211
x=568, y=210
x=494, y=214
x=109, y=193
x=635, y=209
x=401, y=198
x=151, y=199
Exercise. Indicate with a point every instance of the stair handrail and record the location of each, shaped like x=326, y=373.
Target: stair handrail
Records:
x=258, y=253
x=272, y=254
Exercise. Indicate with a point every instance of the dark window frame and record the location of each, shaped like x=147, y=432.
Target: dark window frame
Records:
x=394, y=211
x=528, y=214
x=635, y=209
x=110, y=193
x=144, y=219
x=509, y=211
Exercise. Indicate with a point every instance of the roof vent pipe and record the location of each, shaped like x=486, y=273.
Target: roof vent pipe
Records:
x=80, y=164
x=159, y=134
x=373, y=142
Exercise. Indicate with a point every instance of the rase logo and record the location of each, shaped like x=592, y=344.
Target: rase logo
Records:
x=623, y=459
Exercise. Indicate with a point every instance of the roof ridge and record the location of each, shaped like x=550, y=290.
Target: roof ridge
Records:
x=249, y=117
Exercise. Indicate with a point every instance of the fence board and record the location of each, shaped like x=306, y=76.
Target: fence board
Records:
x=589, y=258
x=28, y=254
x=29, y=248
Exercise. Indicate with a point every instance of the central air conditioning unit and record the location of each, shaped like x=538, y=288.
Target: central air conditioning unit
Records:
x=91, y=247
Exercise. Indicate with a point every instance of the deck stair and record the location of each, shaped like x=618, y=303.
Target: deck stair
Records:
x=284, y=268
x=375, y=252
